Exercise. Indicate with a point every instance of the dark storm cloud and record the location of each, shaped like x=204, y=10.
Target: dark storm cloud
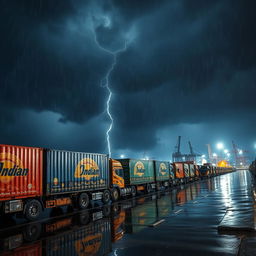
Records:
x=186, y=62
x=47, y=63
x=200, y=58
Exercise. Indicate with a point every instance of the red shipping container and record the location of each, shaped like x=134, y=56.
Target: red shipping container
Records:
x=21, y=170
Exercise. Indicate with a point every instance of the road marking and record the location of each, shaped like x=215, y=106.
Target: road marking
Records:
x=156, y=223
x=178, y=211
x=195, y=202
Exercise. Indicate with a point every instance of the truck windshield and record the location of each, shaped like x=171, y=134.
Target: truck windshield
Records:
x=120, y=172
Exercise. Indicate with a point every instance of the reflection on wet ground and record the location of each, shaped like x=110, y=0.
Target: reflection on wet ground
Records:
x=182, y=221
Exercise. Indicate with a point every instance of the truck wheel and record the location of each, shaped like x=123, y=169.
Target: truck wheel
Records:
x=115, y=195
x=148, y=188
x=33, y=209
x=133, y=191
x=106, y=196
x=83, y=201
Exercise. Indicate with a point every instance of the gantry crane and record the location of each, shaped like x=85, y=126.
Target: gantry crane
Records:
x=177, y=156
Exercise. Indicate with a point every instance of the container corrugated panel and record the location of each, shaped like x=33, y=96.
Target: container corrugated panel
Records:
x=162, y=170
x=192, y=170
x=93, y=239
x=172, y=172
x=179, y=171
x=137, y=172
x=20, y=172
x=69, y=171
x=186, y=170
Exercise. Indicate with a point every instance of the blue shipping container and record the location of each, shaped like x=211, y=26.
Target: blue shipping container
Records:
x=68, y=172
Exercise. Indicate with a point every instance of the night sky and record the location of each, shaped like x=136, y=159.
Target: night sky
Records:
x=189, y=69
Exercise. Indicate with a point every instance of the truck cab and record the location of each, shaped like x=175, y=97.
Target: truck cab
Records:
x=117, y=175
x=130, y=176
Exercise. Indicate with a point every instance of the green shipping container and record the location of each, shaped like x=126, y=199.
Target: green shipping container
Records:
x=162, y=170
x=137, y=172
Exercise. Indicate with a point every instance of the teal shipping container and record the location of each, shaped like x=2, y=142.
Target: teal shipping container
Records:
x=137, y=172
x=162, y=170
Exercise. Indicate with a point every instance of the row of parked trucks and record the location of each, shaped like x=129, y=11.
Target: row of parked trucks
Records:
x=33, y=179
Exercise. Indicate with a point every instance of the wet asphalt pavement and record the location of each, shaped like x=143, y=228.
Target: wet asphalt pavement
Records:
x=188, y=220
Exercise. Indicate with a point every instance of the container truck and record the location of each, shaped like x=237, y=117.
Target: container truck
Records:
x=179, y=172
x=32, y=179
x=205, y=171
x=186, y=172
x=192, y=171
x=162, y=174
x=197, y=174
x=138, y=175
x=173, y=181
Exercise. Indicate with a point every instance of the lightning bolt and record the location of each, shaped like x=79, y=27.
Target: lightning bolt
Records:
x=105, y=83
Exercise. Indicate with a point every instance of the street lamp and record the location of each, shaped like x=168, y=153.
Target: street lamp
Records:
x=220, y=145
x=122, y=156
x=225, y=151
x=240, y=152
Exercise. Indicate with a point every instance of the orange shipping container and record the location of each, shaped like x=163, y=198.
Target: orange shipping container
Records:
x=179, y=170
x=20, y=172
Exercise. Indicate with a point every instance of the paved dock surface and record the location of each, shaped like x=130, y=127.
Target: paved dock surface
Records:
x=209, y=217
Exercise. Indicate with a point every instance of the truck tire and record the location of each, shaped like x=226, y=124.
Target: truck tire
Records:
x=106, y=196
x=83, y=201
x=133, y=191
x=148, y=188
x=33, y=209
x=115, y=194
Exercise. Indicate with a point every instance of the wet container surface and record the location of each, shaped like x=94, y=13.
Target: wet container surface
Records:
x=182, y=221
x=138, y=171
x=162, y=170
x=68, y=171
x=20, y=172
